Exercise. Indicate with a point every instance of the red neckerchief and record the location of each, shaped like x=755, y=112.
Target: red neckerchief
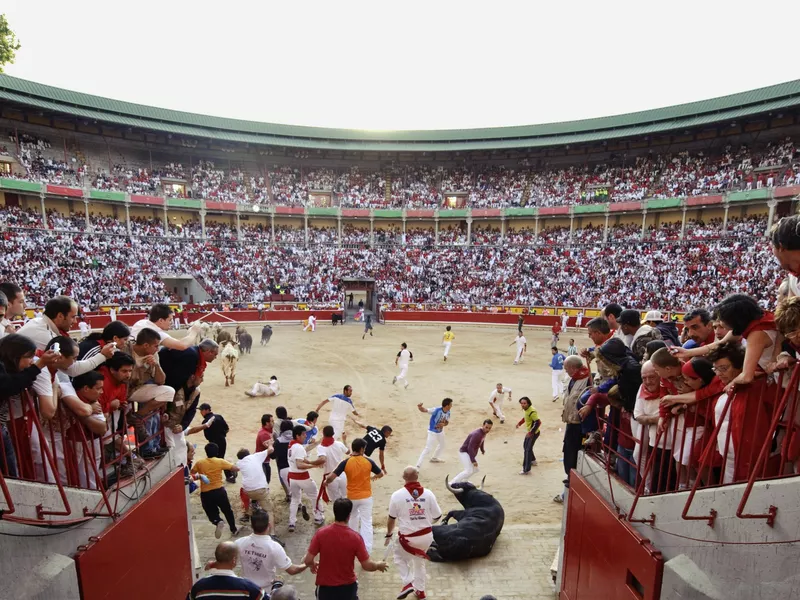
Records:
x=765, y=323
x=583, y=373
x=647, y=395
x=327, y=442
x=293, y=442
x=414, y=488
x=710, y=339
x=201, y=365
x=63, y=333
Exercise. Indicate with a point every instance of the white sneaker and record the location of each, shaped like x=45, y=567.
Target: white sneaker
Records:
x=405, y=386
x=220, y=528
x=437, y=460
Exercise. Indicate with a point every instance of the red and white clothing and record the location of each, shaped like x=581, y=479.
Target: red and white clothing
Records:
x=334, y=454
x=415, y=510
x=312, y=323
x=496, y=401
x=300, y=482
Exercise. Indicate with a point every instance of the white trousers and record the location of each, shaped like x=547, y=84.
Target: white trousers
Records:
x=312, y=325
x=338, y=427
x=262, y=389
x=361, y=520
x=337, y=488
x=86, y=475
x=518, y=358
x=496, y=409
x=685, y=440
x=150, y=391
x=435, y=440
x=469, y=468
x=410, y=567
x=176, y=442
x=447, y=347
x=403, y=373
x=298, y=487
x=558, y=384
x=41, y=465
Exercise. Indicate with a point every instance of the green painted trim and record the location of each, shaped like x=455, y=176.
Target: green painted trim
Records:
x=762, y=194
x=386, y=213
x=658, y=203
x=454, y=213
x=22, y=186
x=182, y=203
x=530, y=211
x=589, y=208
x=105, y=195
x=320, y=211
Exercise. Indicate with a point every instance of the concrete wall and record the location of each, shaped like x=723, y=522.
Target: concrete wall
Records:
x=715, y=563
x=187, y=287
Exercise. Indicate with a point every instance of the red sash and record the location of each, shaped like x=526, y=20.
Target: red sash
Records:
x=403, y=538
x=323, y=490
x=299, y=476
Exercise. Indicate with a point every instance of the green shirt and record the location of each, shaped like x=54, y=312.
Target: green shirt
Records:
x=531, y=416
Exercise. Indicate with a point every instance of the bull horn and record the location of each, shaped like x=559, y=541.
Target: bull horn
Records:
x=450, y=488
x=482, y=481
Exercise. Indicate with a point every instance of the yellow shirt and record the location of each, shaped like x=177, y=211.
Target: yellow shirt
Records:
x=449, y=336
x=211, y=468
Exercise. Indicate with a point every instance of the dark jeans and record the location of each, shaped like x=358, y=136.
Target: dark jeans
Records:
x=664, y=473
x=223, y=446
x=626, y=470
x=337, y=592
x=9, y=462
x=528, y=457
x=267, y=471
x=572, y=445
x=215, y=501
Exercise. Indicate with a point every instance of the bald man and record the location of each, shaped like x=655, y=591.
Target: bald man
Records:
x=414, y=510
x=222, y=582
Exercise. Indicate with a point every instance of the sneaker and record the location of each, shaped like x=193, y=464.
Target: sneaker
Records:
x=405, y=386
x=437, y=460
x=304, y=510
x=420, y=595
x=535, y=464
x=407, y=590
x=291, y=528
x=244, y=519
x=319, y=522
x=558, y=499
x=555, y=398
x=394, y=379
x=516, y=363
x=235, y=532
x=502, y=421
x=251, y=394
x=278, y=541
x=524, y=472
x=220, y=528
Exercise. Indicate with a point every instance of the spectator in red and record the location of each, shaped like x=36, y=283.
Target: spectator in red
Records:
x=556, y=329
x=338, y=546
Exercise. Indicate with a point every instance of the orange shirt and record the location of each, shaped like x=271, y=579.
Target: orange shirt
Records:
x=358, y=470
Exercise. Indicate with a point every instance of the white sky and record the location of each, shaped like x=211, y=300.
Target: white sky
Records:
x=405, y=65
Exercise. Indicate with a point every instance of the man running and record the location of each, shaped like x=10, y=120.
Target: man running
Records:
x=376, y=438
x=341, y=407
x=330, y=453
x=403, y=358
x=273, y=388
x=440, y=418
x=522, y=347
x=367, y=326
x=468, y=453
x=496, y=399
x=557, y=370
x=414, y=510
x=312, y=323
x=300, y=481
x=447, y=340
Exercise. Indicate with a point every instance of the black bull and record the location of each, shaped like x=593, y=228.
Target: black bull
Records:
x=476, y=529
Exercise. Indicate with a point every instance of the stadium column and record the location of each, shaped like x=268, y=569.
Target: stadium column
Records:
x=436, y=229
x=371, y=230
x=469, y=231
x=272, y=226
x=166, y=219
x=644, y=224
x=536, y=230
x=86, y=215
x=404, y=226
x=238, y=225
x=502, y=228
x=571, y=225
x=44, y=210
x=128, y=215
x=305, y=229
x=605, y=229
x=203, y=223
x=339, y=230
x=725, y=217
x=683, y=224
x=771, y=218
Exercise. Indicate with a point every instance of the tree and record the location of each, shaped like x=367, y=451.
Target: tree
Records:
x=8, y=43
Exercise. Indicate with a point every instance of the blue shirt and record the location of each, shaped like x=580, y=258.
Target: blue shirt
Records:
x=690, y=344
x=224, y=585
x=557, y=362
x=309, y=433
x=437, y=416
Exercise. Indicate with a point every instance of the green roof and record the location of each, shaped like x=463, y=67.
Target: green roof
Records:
x=682, y=116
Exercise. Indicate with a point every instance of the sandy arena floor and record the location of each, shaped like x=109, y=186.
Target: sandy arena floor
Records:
x=312, y=366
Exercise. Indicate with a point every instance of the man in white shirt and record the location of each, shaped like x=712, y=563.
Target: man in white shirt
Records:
x=646, y=414
x=522, y=347
x=159, y=319
x=341, y=406
x=300, y=481
x=84, y=327
x=414, y=510
x=330, y=453
x=15, y=309
x=260, y=556
x=112, y=313
x=312, y=323
x=254, y=479
x=496, y=399
x=403, y=358
x=273, y=388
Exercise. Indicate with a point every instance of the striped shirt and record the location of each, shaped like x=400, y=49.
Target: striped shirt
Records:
x=224, y=585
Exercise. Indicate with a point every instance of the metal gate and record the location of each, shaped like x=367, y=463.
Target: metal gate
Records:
x=604, y=556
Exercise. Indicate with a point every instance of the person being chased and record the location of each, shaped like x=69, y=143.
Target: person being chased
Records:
x=358, y=469
x=403, y=358
x=273, y=388
x=367, y=326
x=522, y=347
x=496, y=399
x=440, y=418
x=337, y=547
x=213, y=496
x=532, y=431
x=300, y=481
x=557, y=371
x=413, y=509
x=312, y=323
x=376, y=438
x=341, y=406
x=447, y=340
x=468, y=453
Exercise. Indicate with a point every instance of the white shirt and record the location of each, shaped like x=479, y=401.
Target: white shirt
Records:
x=495, y=395
x=649, y=408
x=84, y=327
x=40, y=331
x=260, y=557
x=722, y=434
x=296, y=452
x=312, y=319
x=413, y=514
x=340, y=408
x=521, y=341
x=253, y=476
x=334, y=454
x=404, y=357
x=274, y=386
x=147, y=324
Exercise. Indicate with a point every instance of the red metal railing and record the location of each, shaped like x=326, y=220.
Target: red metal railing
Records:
x=60, y=452
x=748, y=436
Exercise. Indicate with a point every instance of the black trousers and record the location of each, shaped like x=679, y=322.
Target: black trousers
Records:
x=338, y=592
x=528, y=457
x=572, y=445
x=267, y=471
x=664, y=477
x=215, y=501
